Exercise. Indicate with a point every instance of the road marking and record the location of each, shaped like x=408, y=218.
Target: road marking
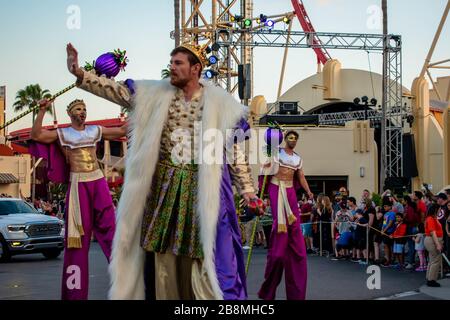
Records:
x=399, y=295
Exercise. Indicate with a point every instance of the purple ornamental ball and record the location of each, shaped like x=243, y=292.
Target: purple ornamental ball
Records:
x=273, y=137
x=107, y=65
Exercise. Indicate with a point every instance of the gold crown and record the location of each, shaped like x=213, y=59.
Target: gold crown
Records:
x=198, y=51
x=74, y=103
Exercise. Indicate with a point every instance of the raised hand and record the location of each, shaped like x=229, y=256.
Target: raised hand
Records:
x=44, y=104
x=72, y=61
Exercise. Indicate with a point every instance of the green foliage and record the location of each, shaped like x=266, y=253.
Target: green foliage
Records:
x=57, y=190
x=29, y=97
x=117, y=192
x=237, y=198
x=376, y=198
x=165, y=73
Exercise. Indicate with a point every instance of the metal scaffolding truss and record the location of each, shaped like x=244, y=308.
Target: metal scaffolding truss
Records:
x=393, y=150
x=394, y=115
x=299, y=39
x=340, y=118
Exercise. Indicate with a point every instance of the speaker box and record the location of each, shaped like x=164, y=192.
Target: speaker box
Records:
x=244, y=81
x=409, y=157
x=311, y=119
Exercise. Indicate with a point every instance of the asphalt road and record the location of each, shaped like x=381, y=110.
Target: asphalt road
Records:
x=33, y=277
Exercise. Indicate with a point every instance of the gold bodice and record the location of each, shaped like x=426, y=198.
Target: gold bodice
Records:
x=81, y=159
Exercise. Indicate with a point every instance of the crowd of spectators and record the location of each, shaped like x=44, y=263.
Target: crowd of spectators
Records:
x=407, y=232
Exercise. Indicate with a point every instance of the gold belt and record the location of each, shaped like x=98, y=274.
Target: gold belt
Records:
x=283, y=207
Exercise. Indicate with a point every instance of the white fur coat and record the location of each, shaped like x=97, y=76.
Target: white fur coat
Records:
x=151, y=103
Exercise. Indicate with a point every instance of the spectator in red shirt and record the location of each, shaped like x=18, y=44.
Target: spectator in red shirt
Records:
x=434, y=245
x=399, y=239
x=421, y=207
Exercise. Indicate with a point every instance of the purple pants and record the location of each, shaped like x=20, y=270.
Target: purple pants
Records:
x=97, y=215
x=286, y=251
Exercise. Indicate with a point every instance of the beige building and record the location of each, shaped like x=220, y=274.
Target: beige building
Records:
x=15, y=177
x=339, y=156
x=336, y=156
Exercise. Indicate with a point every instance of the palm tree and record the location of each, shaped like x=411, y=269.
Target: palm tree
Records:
x=165, y=73
x=176, y=7
x=30, y=96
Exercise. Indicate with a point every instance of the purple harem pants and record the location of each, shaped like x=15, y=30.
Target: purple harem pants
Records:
x=98, y=216
x=286, y=251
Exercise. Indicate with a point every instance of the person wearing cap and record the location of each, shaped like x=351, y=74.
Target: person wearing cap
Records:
x=287, y=250
x=89, y=205
x=177, y=231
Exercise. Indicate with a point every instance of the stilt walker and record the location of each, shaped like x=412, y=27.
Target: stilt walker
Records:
x=177, y=231
x=287, y=247
x=89, y=206
x=71, y=158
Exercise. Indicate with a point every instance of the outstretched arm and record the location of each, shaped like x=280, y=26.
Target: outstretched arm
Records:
x=37, y=132
x=114, y=133
x=116, y=92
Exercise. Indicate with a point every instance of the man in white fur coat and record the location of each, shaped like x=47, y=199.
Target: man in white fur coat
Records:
x=176, y=205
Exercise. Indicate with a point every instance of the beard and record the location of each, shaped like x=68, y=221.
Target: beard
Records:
x=178, y=82
x=291, y=144
x=77, y=119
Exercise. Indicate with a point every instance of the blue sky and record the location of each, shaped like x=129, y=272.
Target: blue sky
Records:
x=34, y=35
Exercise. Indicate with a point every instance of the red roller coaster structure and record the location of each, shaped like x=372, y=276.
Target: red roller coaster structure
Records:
x=305, y=22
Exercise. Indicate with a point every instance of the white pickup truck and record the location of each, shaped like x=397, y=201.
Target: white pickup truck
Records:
x=24, y=230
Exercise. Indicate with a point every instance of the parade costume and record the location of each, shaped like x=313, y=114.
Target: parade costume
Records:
x=183, y=211
x=89, y=206
x=287, y=246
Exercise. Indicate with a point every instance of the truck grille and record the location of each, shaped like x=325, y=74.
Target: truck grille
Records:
x=42, y=230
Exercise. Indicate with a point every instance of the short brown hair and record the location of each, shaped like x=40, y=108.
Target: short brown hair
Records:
x=291, y=132
x=193, y=60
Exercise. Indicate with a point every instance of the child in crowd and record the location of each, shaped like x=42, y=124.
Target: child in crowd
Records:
x=342, y=223
x=306, y=223
x=387, y=229
x=361, y=235
x=399, y=240
x=419, y=240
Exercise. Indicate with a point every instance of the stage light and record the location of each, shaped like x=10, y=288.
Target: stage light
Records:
x=356, y=100
x=213, y=60
x=209, y=74
x=286, y=20
x=215, y=47
x=236, y=18
x=410, y=119
x=270, y=24
x=208, y=50
x=247, y=23
x=262, y=18
x=373, y=101
x=365, y=99
x=232, y=19
x=258, y=20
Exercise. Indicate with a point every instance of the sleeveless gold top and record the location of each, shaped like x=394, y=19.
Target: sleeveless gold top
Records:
x=79, y=147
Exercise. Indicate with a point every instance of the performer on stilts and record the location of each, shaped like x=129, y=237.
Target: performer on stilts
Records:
x=287, y=246
x=71, y=157
x=176, y=213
